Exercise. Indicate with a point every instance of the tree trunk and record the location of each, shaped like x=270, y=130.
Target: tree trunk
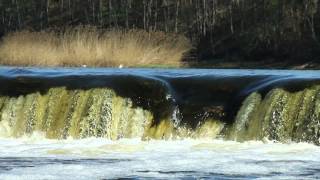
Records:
x=18, y=14
x=110, y=12
x=144, y=15
x=127, y=14
x=231, y=19
x=311, y=24
x=165, y=9
x=149, y=15
x=100, y=13
x=176, y=16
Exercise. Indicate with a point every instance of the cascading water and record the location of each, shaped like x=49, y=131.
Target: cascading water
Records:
x=98, y=112
x=281, y=115
x=171, y=120
x=62, y=113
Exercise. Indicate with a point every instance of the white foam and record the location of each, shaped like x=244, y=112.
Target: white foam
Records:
x=100, y=158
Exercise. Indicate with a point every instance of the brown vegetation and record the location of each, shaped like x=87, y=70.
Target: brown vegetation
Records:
x=92, y=47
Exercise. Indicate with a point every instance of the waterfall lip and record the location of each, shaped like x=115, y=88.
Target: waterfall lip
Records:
x=259, y=79
x=187, y=92
x=263, y=83
x=251, y=80
x=11, y=71
x=276, y=81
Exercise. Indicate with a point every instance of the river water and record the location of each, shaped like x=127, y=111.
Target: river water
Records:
x=92, y=158
x=37, y=155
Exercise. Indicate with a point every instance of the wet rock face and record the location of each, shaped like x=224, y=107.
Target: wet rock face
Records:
x=281, y=115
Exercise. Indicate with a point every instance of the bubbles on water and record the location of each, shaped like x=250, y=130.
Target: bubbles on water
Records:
x=176, y=116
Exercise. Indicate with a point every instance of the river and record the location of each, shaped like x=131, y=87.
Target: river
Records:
x=104, y=123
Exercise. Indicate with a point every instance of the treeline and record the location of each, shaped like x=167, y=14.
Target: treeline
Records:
x=226, y=29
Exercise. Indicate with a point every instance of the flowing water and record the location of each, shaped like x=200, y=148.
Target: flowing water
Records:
x=80, y=123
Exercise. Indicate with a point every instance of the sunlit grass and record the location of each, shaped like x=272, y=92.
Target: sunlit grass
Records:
x=93, y=47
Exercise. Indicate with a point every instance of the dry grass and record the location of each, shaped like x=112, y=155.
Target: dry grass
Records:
x=92, y=47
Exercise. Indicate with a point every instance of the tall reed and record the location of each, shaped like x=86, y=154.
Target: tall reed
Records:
x=93, y=47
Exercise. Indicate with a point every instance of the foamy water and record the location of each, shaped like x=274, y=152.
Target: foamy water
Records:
x=37, y=158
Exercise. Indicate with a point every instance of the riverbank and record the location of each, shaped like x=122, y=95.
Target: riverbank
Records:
x=89, y=46
x=86, y=46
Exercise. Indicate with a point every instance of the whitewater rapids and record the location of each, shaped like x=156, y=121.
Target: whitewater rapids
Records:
x=94, y=158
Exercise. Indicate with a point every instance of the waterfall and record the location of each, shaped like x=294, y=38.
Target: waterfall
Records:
x=99, y=112
x=281, y=115
x=154, y=104
x=62, y=113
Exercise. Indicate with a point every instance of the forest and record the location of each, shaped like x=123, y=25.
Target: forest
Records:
x=259, y=31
